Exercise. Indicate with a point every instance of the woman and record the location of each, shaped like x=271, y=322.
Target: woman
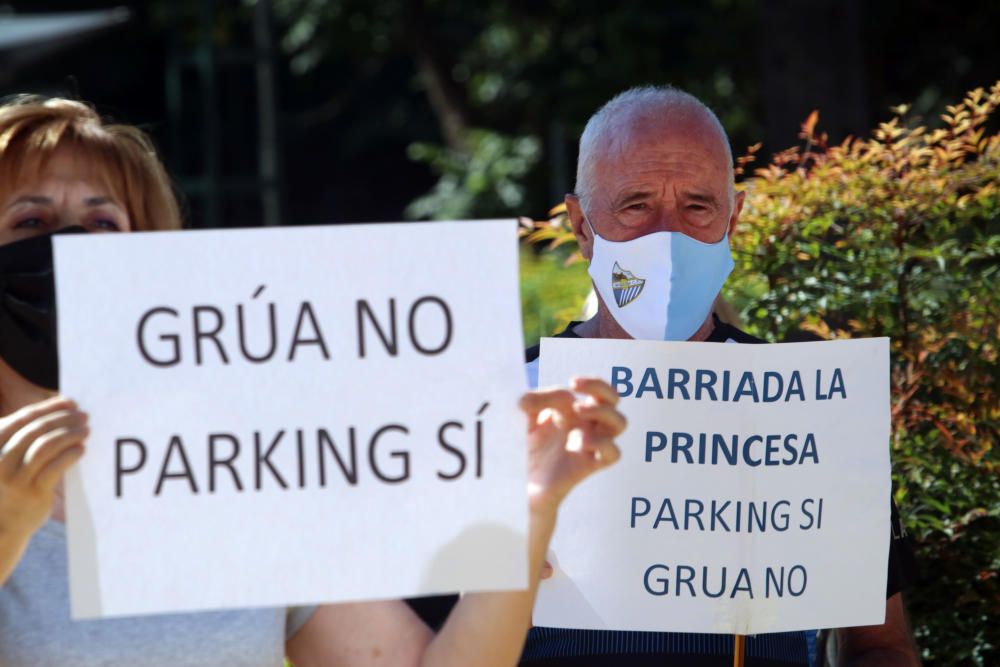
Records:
x=61, y=167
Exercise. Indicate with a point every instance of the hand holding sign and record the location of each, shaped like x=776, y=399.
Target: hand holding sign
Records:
x=569, y=438
x=37, y=444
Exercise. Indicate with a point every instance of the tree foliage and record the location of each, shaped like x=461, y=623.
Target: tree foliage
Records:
x=898, y=235
x=503, y=80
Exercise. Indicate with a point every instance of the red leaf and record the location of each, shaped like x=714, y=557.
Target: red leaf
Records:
x=810, y=124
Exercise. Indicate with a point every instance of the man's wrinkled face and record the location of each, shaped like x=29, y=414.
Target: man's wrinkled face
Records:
x=665, y=175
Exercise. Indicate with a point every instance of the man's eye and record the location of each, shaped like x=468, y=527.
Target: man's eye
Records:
x=640, y=206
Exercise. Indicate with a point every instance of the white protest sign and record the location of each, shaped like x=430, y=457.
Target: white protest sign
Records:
x=290, y=416
x=752, y=494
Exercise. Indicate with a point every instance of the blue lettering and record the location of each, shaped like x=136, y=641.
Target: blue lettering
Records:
x=696, y=515
x=620, y=380
x=635, y=502
x=663, y=581
x=743, y=576
x=770, y=449
x=704, y=583
x=685, y=448
x=666, y=514
x=809, y=449
x=747, y=387
x=795, y=387
x=704, y=381
x=719, y=444
x=802, y=588
x=655, y=442
x=779, y=518
x=806, y=504
x=778, y=582
x=772, y=380
x=837, y=386
x=756, y=515
x=685, y=575
x=753, y=439
x=678, y=379
x=649, y=383
x=819, y=387
x=793, y=454
x=717, y=511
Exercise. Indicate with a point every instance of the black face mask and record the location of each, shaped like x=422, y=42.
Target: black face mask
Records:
x=28, y=309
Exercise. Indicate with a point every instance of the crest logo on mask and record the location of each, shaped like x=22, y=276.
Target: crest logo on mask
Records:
x=625, y=285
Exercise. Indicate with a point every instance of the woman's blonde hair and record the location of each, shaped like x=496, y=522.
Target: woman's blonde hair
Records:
x=121, y=157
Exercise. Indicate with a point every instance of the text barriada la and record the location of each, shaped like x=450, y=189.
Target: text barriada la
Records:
x=726, y=386
x=294, y=458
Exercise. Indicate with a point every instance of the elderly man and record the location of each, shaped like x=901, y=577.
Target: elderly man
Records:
x=655, y=200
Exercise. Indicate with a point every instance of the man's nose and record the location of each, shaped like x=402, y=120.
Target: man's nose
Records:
x=667, y=219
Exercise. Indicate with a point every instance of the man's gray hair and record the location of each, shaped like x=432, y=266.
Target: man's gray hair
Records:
x=607, y=129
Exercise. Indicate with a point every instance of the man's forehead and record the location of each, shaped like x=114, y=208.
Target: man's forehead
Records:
x=675, y=133
x=653, y=154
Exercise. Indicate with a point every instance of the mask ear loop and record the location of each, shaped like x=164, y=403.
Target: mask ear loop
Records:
x=594, y=236
x=593, y=232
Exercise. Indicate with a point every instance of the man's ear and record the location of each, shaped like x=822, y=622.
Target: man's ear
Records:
x=737, y=209
x=581, y=230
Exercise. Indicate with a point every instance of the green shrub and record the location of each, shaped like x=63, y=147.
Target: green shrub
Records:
x=551, y=293
x=485, y=177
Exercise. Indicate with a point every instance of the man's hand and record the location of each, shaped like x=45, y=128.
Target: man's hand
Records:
x=37, y=444
x=569, y=438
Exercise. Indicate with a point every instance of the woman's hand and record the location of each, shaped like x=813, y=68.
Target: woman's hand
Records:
x=38, y=443
x=569, y=438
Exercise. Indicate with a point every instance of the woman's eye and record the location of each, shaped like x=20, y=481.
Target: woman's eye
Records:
x=29, y=223
x=106, y=225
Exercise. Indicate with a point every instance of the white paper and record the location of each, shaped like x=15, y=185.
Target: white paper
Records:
x=834, y=570
x=133, y=551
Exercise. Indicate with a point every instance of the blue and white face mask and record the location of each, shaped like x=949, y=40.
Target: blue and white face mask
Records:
x=660, y=286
